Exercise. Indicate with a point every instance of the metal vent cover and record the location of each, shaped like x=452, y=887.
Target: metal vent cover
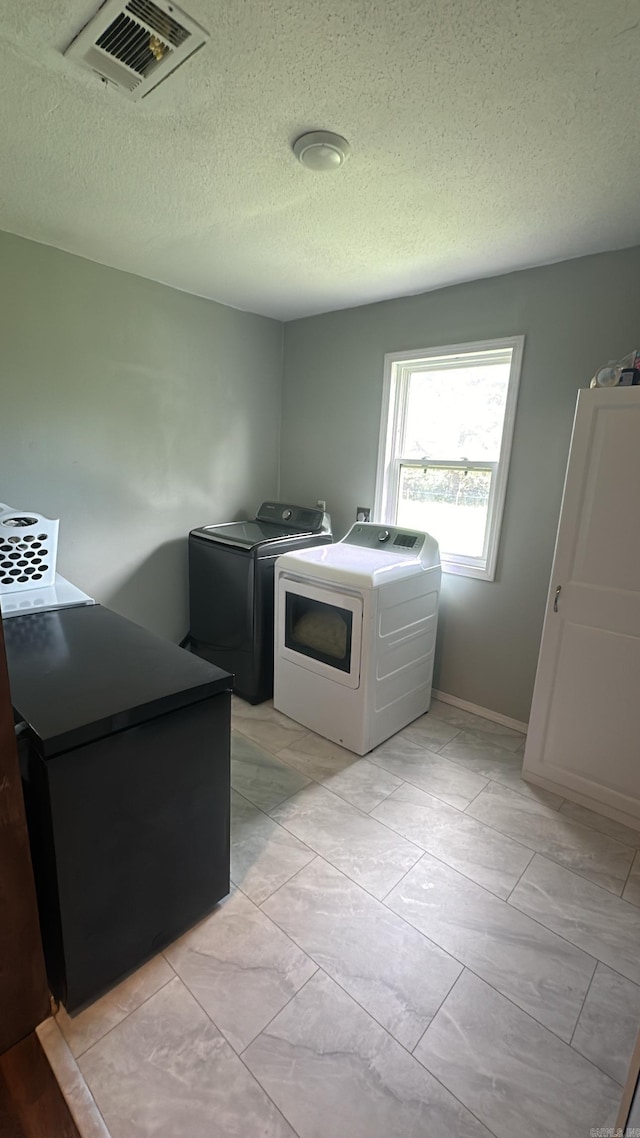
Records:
x=137, y=44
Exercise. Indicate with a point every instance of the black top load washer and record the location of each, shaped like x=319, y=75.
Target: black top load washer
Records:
x=231, y=585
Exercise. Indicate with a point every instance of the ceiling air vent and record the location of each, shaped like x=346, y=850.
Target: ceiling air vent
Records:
x=136, y=45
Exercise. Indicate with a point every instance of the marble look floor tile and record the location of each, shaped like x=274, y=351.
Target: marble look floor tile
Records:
x=474, y=737
x=366, y=851
x=587, y=852
x=517, y=1077
x=262, y=723
x=590, y=917
x=429, y=731
x=599, y=822
x=479, y=754
x=83, y=1029
x=539, y=971
x=263, y=854
x=511, y=776
x=363, y=784
x=167, y=1071
x=397, y=975
x=468, y=721
x=632, y=888
x=358, y=781
x=241, y=968
x=608, y=1026
x=335, y=1073
x=239, y=705
x=77, y=1095
x=265, y=711
x=426, y=770
x=479, y=852
x=259, y=776
x=318, y=758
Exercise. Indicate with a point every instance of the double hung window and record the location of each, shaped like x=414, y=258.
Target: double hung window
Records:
x=445, y=440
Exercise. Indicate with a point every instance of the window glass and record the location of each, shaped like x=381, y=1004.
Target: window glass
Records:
x=451, y=504
x=456, y=413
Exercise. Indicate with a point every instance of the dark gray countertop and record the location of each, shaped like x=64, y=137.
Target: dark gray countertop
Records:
x=79, y=674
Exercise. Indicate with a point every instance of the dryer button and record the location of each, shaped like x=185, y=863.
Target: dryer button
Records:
x=287, y=515
x=384, y=535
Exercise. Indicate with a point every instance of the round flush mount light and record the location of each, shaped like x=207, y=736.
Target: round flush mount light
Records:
x=321, y=150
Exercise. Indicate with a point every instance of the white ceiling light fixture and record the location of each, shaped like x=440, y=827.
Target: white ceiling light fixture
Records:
x=321, y=150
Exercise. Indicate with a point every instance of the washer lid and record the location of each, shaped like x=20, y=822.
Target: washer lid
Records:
x=245, y=534
x=274, y=522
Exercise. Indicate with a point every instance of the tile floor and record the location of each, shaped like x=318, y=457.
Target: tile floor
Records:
x=417, y=943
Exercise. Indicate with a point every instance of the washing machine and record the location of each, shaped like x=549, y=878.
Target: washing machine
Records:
x=231, y=586
x=355, y=634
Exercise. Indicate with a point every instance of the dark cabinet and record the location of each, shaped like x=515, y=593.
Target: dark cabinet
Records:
x=125, y=764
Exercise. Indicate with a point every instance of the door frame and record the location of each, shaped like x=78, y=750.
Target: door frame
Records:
x=24, y=993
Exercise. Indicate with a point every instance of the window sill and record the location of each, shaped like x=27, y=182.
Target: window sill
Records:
x=459, y=569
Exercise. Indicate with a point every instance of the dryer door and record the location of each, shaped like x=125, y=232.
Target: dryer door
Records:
x=320, y=629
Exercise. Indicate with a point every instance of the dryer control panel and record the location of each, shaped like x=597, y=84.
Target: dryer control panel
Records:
x=369, y=535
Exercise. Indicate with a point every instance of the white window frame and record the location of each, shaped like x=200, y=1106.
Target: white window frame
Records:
x=397, y=369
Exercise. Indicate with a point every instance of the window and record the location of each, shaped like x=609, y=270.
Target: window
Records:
x=445, y=440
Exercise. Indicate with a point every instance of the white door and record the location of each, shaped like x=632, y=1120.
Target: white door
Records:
x=584, y=731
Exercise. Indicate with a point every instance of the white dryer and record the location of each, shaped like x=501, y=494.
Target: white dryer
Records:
x=355, y=633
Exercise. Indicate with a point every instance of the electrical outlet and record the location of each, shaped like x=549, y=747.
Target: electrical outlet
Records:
x=363, y=513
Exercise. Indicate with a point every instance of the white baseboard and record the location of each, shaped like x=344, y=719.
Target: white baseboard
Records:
x=595, y=804
x=484, y=712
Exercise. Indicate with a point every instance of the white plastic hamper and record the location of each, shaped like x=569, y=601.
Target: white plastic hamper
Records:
x=28, y=550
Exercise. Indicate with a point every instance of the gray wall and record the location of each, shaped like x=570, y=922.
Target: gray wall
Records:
x=575, y=316
x=132, y=412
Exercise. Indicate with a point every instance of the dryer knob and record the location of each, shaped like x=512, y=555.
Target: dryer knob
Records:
x=287, y=515
x=384, y=535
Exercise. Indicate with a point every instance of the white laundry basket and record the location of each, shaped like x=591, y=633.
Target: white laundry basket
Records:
x=28, y=550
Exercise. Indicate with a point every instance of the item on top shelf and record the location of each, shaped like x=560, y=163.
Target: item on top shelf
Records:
x=631, y=361
x=28, y=550
x=619, y=373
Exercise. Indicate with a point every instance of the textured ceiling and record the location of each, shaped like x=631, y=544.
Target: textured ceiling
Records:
x=486, y=135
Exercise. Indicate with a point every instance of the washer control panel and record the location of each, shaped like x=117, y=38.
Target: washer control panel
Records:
x=303, y=519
